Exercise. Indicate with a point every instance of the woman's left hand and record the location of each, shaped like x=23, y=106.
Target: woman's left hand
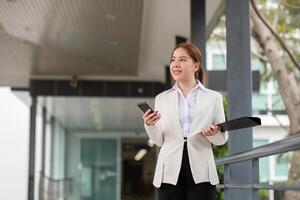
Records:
x=211, y=130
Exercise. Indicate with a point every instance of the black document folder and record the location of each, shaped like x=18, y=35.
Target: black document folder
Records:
x=238, y=123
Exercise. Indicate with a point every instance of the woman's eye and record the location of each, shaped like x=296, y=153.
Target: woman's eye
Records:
x=182, y=59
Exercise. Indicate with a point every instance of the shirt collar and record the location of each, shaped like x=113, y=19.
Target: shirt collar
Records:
x=198, y=85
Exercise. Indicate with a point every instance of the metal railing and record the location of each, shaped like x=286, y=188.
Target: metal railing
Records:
x=54, y=188
x=291, y=143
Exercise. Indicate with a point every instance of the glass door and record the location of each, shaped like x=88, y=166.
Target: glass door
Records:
x=98, y=174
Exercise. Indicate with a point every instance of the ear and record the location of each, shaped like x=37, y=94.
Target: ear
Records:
x=196, y=66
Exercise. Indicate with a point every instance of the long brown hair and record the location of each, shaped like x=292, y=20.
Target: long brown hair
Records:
x=194, y=52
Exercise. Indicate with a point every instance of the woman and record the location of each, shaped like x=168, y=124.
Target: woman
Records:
x=183, y=124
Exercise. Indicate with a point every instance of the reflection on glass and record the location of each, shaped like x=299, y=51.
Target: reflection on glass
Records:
x=98, y=173
x=86, y=182
x=263, y=162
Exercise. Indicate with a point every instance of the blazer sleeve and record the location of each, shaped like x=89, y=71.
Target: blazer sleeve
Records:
x=219, y=116
x=155, y=132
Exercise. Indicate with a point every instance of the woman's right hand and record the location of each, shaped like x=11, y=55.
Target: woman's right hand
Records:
x=150, y=119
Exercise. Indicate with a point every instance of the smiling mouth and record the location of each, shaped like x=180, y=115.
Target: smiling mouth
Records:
x=177, y=72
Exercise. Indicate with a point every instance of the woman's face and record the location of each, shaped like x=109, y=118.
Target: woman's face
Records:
x=182, y=66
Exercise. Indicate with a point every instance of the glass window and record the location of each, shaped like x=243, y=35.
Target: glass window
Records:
x=282, y=164
x=99, y=169
x=275, y=85
x=263, y=87
x=86, y=182
x=277, y=103
x=263, y=162
x=256, y=64
x=259, y=102
x=218, y=62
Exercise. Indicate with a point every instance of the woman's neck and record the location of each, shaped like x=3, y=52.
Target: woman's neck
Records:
x=187, y=86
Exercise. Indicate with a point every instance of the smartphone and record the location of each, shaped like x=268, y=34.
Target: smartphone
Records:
x=144, y=106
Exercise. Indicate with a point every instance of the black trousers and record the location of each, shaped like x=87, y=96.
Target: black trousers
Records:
x=186, y=189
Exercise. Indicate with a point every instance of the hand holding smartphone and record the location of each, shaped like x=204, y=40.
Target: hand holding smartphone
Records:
x=150, y=116
x=144, y=106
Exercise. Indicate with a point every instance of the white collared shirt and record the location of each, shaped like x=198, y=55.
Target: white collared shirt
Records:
x=186, y=106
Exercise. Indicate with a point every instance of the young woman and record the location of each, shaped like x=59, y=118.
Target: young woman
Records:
x=183, y=124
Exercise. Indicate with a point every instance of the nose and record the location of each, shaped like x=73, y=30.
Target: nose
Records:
x=175, y=64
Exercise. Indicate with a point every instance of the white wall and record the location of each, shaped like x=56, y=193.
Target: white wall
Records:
x=14, y=133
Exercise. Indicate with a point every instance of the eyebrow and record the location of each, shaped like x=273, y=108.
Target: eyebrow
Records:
x=180, y=57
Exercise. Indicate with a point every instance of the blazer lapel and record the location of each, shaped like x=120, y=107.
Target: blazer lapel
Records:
x=196, y=112
x=174, y=107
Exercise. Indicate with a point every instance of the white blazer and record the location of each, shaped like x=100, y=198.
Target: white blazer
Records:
x=167, y=134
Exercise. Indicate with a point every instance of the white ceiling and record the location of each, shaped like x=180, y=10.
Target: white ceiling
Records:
x=93, y=39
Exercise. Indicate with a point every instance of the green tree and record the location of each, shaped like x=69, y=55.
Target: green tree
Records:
x=277, y=30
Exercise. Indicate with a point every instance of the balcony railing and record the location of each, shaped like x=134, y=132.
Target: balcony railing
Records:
x=54, y=189
x=291, y=143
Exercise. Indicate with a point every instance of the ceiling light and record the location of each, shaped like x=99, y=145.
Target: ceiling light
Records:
x=140, y=90
x=110, y=16
x=140, y=154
